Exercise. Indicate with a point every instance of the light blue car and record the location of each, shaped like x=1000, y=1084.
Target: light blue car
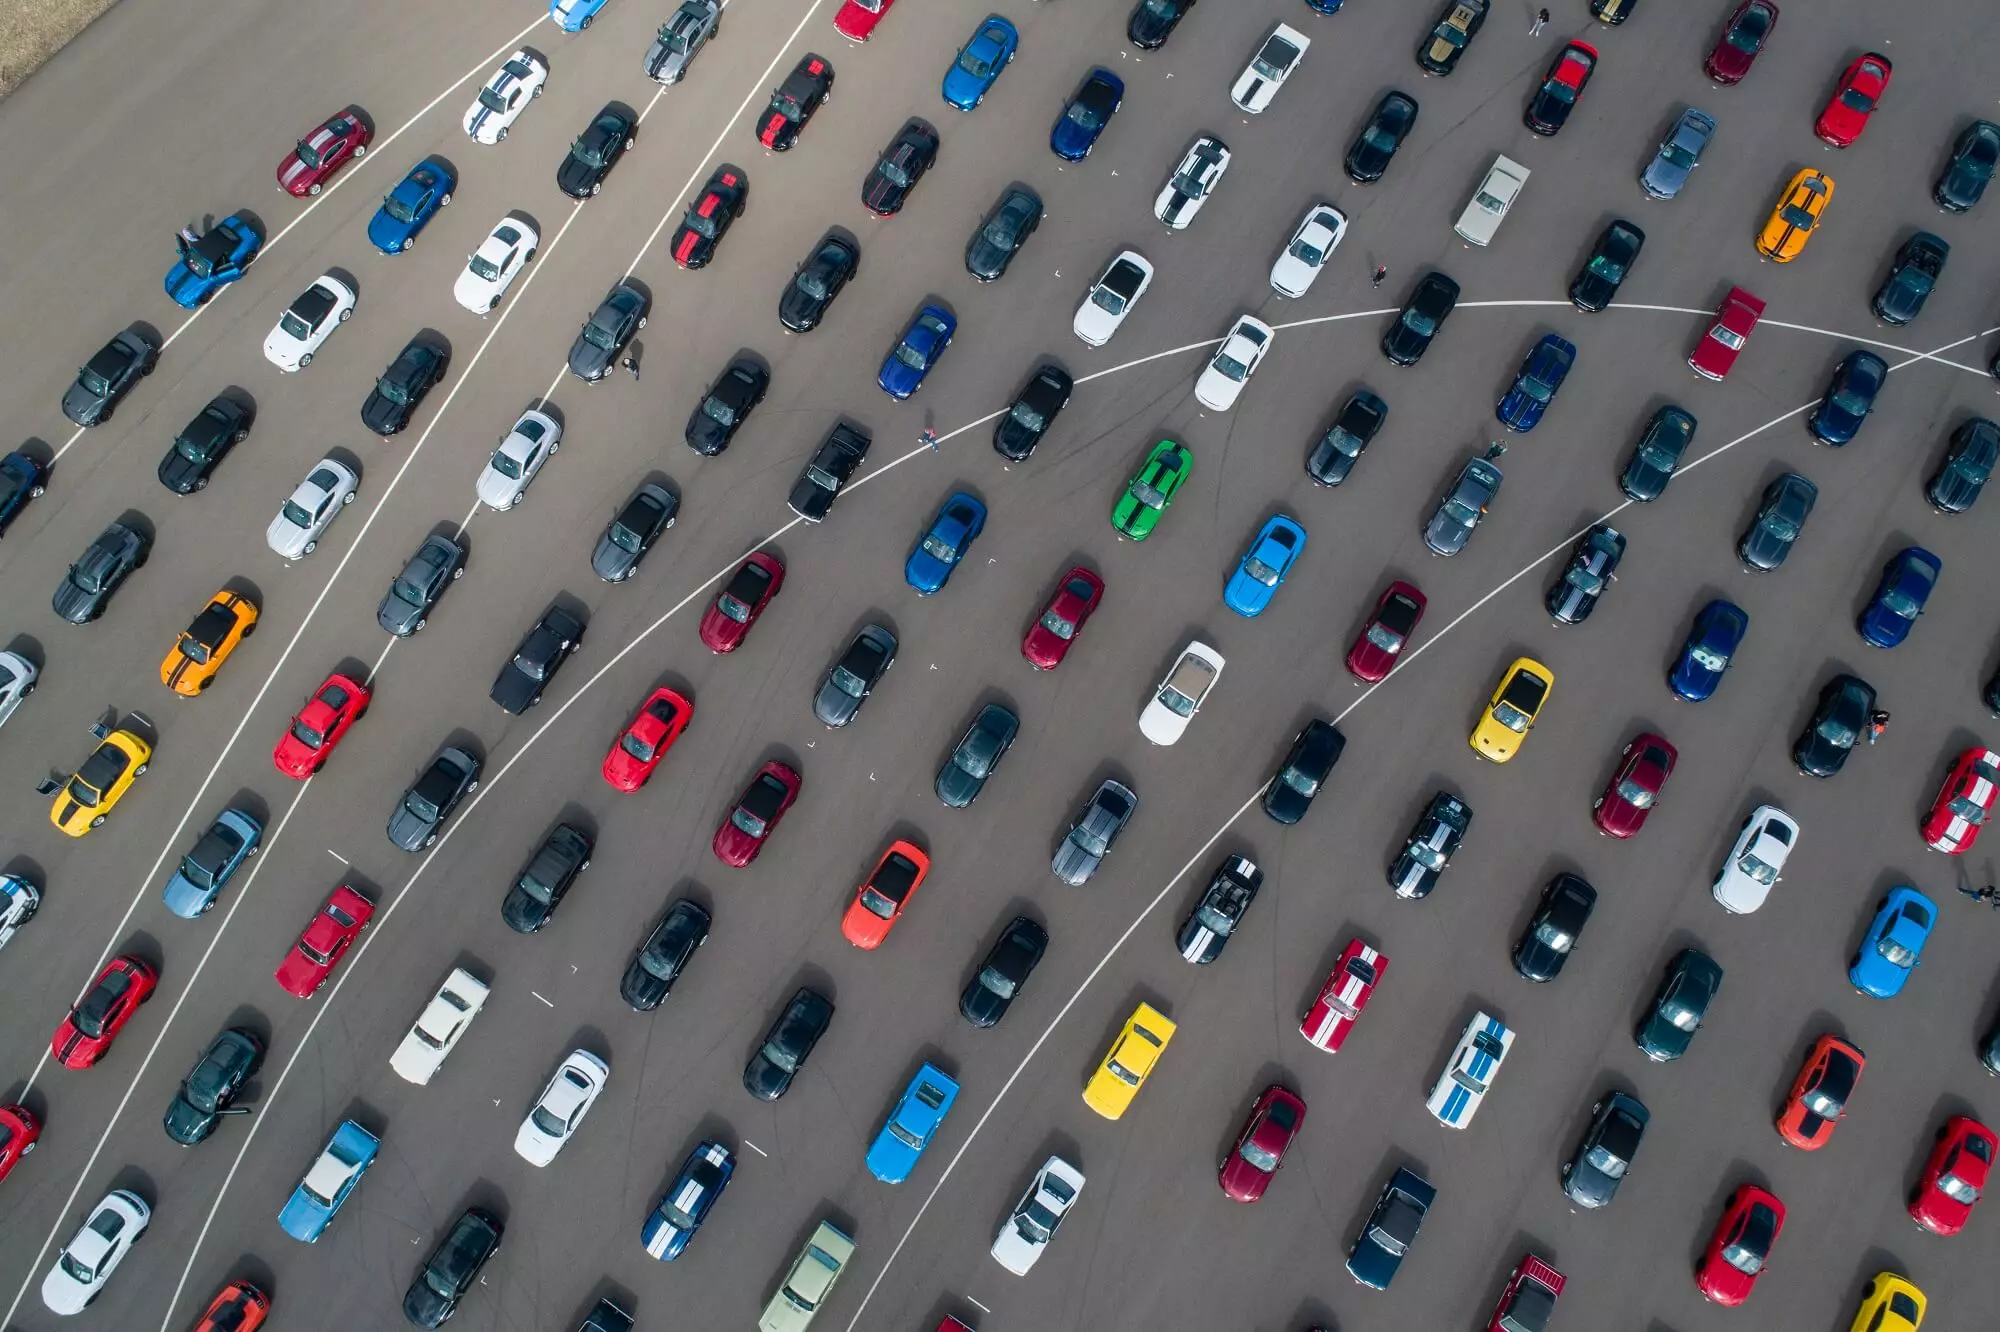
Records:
x=950, y=536
x=980, y=62
x=309, y=1211
x=574, y=15
x=1894, y=944
x=1265, y=564
x=410, y=206
x=912, y=1125
x=211, y=862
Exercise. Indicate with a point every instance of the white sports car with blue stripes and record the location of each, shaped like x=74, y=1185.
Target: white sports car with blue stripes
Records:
x=1470, y=1071
x=505, y=96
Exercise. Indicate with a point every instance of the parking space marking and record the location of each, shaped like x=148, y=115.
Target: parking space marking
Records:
x=755, y=1148
x=538, y=994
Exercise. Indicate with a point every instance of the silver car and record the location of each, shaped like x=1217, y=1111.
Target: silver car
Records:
x=17, y=681
x=680, y=40
x=1678, y=155
x=1097, y=826
x=327, y=489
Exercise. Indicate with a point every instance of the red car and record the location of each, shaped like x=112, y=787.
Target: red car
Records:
x=1860, y=90
x=1379, y=645
x=1954, y=1177
x=726, y=624
x=754, y=816
x=878, y=904
x=1740, y=1246
x=1344, y=995
x=321, y=725
x=1963, y=803
x=1749, y=27
x=1635, y=788
x=1530, y=1298
x=1735, y=318
x=19, y=1131
x=238, y=1307
x=86, y=1034
x=1076, y=596
x=1274, y=1121
x=327, y=937
x=1820, y=1093
x=311, y=164
x=857, y=18
x=639, y=749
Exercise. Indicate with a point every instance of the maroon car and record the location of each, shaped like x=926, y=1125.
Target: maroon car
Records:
x=1635, y=788
x=1062, y=619
x=1274, y=1121
x=726, y=623
x=755, y=815
x=1743, y=37
x=1735, y=319
x=312, y=162
x=1379, y=645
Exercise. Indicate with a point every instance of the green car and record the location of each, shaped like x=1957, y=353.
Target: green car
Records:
x=1151, y=489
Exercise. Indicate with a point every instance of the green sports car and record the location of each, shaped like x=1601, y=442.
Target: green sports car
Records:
x=1152, y=489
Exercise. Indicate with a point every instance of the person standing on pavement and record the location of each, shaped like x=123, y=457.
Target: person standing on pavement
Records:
x=1541, y=21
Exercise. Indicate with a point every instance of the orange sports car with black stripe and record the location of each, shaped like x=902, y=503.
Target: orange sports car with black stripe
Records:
x=206, y=643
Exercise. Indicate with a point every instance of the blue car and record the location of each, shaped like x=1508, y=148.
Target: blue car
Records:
x=21, y=479
x=958, y=523
x=912, y=1125
x=1907, y=580
x=1264, y=566
x=686, y=1203
x=1324, y=6
x=211, y=862
x=979, y=63
x=406, y=209
x=1894, y=944
x=1848, y=399
x=921, y=347
x=1542, y=373
x=1712, y=640
x=309, y=1211
x=213, y=262
x=1085, y=114
x=574, y=15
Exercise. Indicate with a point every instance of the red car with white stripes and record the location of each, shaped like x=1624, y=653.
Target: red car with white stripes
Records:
x=337, y=140
x=1963, y=803
x=1344, y=995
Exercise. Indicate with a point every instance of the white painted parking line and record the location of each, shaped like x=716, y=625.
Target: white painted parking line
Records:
x=755, y=1148
x=977, y=1305
x=337, y=856
x=538, y=994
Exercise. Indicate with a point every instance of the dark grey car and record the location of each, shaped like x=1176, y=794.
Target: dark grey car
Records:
x=202, y=445
x=622, y=313
x=1657, y=455
x=102, y=568
x=1678, y=1006
x=1679, y=153
x=830, y=468
x=230, y=1060
x=1781, y=517
x=649, y=512
x=851, y=679
x=1096, y=827
x=787, y=1045
x=560, y=860
x=533, y=666
x=108, y=376
x=1604, y=1157
x=1436, y=836
x=663, y=956
x=1006, y=228
x=1462, y=507
x=414, y=592
x=964, y=774
x=1346, y=439
x=1593, y=566
x=451, y=776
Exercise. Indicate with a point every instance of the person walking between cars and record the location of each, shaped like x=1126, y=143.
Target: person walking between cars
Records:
x=632, y=363
x=1381, y=272
x=1878, y=722
x=1541, y=21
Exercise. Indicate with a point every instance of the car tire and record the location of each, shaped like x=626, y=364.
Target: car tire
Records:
x=444, y=200
x=201, y=483
x=630, y=141
x=97, y=822
x=348, y=498
x=536, y=93
x=586, y=23
x=595, y=187
x=310, y=547
x=345, y=315
x=458, y=573
x=29, y=1148
x=642, y=322
x=305, y=360
x=313, y=188
x=418, y=627
x=361, y=150
x=503, y=129
x=428, y=840
x=37, y=492
x=584, y=866
x=140, y=771
x=408, y=241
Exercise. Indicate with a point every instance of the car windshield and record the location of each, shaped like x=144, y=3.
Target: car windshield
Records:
x=1896, y=954
x=1301, y=781
x=1107, y=300
x=1259, y=1156
x=1176, y=702
x=1261, y=571
x=1607, y=268
x=549, y=1124
x=893, y=173
x=1083, y=117
x=1796, y=217
x=1511, y=717
x=395, y=207
x=1229, y=367
x=1745, y=1260
x=911, y=356
x=1748, y=33
x=1677, y=155
x=1555, y=936
x=1958, y=1190
x=295, y=515
x=1089, y=839
x=1189, y=181
x=1427, y=855
x=671, y=39
x=973, y=64
x=76, y=1271
x=308, y=155
x=1756, y=870
x=1635, y=794
x=505, y=465
x=1307, y=253
x=992, y=978
x=1682, y=1017
x=492, y=101
x=602, y=331
x=1530, y=1312
x=294, y=327
x=307, y=736
x=1460, y=512
x=1606, y=1162
x=1560, y=91
x=587, y=151
x=847, y=682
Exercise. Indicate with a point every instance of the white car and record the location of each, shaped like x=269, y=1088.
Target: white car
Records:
x=304, y=328
x=1757, y=861
x=1234, y=362
x=508, y=473
x=1487, y=208
x=506, y=95
x=1179, y=696
x=327, y=489
x=563, y=1104
x=95, y=1251
x=1456, y=1096
x=490, y=269
x=1318, y=236
x=19, y=900
x=1269, y=68
x=1032, y=1224
x=17, y=681
x=1112, y=297
x=1192, y=182
x=439, y=1026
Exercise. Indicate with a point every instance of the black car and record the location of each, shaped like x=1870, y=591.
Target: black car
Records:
x=451, y=777
x=618, y=316
x=901, y=165
x=793, y=102
x=1989, y=1050
x=707, y=219
x=1423, y=314
x=1461, y=507
x=1437, y=834
x=1678, y=1005
x=1593, y=566
x=102, y=568
x=817, y=282
x=107, y=377
x=648, y=512
x=1610, y=261
x=453, y=1268
x=1314, y=752
x=1006, y=228
x=23, y=477
x=1968, y=462
x=1604, y=1156
x=1846, y=708
x=1034, y=410
x=850, y=680
x=1970, y=167
x=1153, y=21
x=664, y=956
x=1218, y=912
x=230, y=1060
x=1850, y=396
x=606, y=1316
x=1386, y=1236
x=202, y=445
x=976, y=756
x=535, y=662
x=404, y=385
x=414, y=592
x=1781, y=516
x=614, y=130
x=726, y=406
x=1004, y=972
x=1551, y=935
x=1912, y=277
x=1376, y=145
x=1346, y=439
x=532, y=901
x=1460, y=22
x=1657, y=454
x=787, y=1045
x=830, y=468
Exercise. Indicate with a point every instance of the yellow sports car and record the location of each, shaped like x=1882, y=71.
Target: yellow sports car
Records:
x=1512, y=710
x=1890, y=1304
x=85, y=799
x=1116, y=1082
x=1784, y=237
x=204, y=645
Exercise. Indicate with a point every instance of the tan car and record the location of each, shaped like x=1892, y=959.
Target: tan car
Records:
x=1488, y=206
x=806, y=1287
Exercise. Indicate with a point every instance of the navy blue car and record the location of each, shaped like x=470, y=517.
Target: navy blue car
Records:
x=951, y=534
x=21, y=479
x=1907, y=580
x=1850, y=396
x=1542, y=373
x=1712, y=641
x=413, y=203
x=686, y=1203
x=1085, y=115
x=921, y=347
x=1912, y=277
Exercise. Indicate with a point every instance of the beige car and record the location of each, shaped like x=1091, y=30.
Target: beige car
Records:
x=1490, y=202
x=810, y=1281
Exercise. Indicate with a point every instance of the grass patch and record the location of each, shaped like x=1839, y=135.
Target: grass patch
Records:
x=33, y=30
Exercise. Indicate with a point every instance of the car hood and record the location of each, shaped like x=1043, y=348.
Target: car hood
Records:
x=422, y=1305
x=985, y=258
x=899, y=380
x=1072, y=864
x=1445, y=534
x=382, y=415
x=177, y=473
x=1882, y=627
x=834, y=705
x=398, y=616
x=408, y=831
x=79, y=404
x=388, y=233
x=641, y=988
x=1819, y=755
x=1953, y=491
x=587, y=360
x=1069, y=139
x=73, y=603
x=1664, y=178
x=1520, y=410
x=799, y=311
x=1588, y=1186
x=1593, y=289
x=956, y=787
x=575, y=176
x=1285, y=804
x=1763, y=549
x=1536, y=960
x=184, y=899
x=1662, y=1038
x=611, y=561
x=764, y=1079
x=185, y=1124
x=512, y=688
x=523, y=913
x=1402, y=342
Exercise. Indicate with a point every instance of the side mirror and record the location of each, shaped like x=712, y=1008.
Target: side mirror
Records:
x=48, y=787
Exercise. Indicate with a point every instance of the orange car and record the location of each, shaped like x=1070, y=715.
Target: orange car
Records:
x=240, y=1307
x=878, y=902
x=1819, y=1094
x=204, y=645
x=1792, y=222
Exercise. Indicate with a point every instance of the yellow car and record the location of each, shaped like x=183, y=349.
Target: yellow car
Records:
x=1512, y=710
x=1116, y=1082
x=1784, y=237
x=204, y=645
x=1890, y=1304
x=85, y=799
